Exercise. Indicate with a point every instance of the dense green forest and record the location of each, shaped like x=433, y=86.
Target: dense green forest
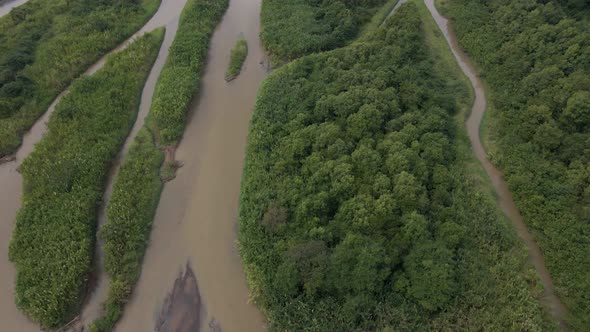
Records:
x=292, y=28
x=44, y=45
x=362, y=208
x=64, y=178
x=536, y=59
x=181, y=75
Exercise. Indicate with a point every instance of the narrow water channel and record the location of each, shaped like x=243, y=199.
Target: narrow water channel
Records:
x=168, y=16
x=11, y=181
x=505, y=199
x=197, y=216
x=7, y=5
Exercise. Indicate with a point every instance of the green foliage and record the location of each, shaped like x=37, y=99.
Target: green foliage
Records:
x=64, y=177
x=536, y=59
x=180, y=77
x=136, y=191
x=357, y=211
x=237, y=57
x=44, y=45
x=292, y=28
x=129, y=219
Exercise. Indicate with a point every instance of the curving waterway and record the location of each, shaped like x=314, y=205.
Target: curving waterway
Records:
x=504, y=196
x=197, y=217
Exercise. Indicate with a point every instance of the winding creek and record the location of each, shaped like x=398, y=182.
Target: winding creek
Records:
x=504, y=196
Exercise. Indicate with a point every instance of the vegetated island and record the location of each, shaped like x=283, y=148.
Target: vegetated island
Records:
x=45, y=45
x=238, y=55
x=535, y=58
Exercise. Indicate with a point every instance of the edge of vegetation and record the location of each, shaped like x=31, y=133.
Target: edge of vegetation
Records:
x=536, y=135
x=286, y=272
x=64, y=178
x=238, y=55
x=180, y=78
x=45, y=45
x=294, y=28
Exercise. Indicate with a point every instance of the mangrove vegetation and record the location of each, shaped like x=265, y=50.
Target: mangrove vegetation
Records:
x=181, y=75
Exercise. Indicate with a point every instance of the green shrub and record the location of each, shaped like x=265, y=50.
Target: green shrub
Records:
x=64, y=177
x=292, y=28
x=357, y=209
x=536, y=59
x=180, y=77
x=129, y=220
x=44, y=45
x=238, y=54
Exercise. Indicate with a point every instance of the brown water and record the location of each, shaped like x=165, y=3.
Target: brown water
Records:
x=7, y=5
x=11, y=318
x=168, y=15
x=505, y=200
x=196, y=219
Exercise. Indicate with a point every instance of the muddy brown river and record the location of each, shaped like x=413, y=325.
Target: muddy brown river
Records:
x=504, y=196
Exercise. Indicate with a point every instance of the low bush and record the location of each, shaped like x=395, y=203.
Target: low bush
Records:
x=181, y=75
x=64, y=178
x=237, y=57
x=44, y=45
